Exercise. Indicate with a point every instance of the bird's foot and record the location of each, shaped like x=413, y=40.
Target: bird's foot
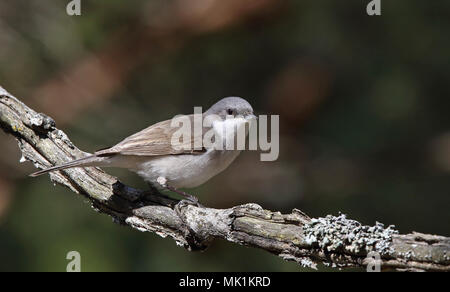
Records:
x=188, y=198
x=192, y=202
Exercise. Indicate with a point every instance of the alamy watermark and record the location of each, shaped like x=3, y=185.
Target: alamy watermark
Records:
x=198, y=132
x=74, y=8
x=373, y=260
x=374, y=8
x=75, y=261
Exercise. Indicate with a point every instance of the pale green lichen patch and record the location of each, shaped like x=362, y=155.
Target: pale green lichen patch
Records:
x=339, y=234
x=16, y=128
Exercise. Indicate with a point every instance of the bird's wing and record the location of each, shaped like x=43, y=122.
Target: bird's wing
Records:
x=156, y=140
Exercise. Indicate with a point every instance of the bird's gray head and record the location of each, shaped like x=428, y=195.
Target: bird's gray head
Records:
x=231, y=106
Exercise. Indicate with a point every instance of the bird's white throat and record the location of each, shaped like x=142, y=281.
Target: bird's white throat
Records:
x=231, y=132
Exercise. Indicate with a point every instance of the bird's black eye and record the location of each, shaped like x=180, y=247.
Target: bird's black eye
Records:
x=230, y=111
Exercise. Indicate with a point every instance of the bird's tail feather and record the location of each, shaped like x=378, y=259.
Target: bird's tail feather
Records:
x=90, y=160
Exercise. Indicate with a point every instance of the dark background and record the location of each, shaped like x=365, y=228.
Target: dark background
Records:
x=363, y=104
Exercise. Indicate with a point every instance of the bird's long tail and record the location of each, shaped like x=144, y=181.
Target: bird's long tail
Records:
x=91, y=160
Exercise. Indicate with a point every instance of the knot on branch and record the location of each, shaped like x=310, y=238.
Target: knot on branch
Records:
x=40, y=123
x=202, y=224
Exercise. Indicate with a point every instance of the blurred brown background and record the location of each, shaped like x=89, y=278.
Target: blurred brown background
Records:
x=363, y=104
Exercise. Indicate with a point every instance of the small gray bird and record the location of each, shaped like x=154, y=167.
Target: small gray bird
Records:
x=150, y=152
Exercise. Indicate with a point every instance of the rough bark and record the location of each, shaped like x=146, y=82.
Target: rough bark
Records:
x=333, y=240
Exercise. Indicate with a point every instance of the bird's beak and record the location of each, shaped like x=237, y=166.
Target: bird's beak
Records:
x=251, y=117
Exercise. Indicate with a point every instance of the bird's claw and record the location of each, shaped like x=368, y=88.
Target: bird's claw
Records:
x=193, y=201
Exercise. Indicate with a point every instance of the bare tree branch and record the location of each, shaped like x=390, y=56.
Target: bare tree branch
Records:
x=336, y=241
